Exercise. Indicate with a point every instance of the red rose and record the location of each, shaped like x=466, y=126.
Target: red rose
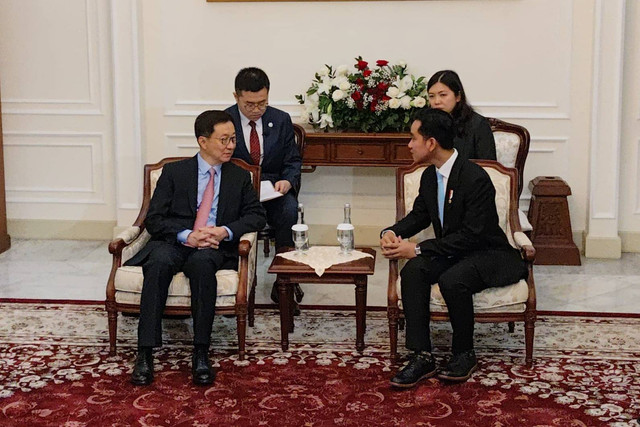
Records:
x=381, y=62
x=373, y=106
x=382, y=86
x=356, y=96
x=366, y=73
x=359, y=105
x=361, y=65
x=359, y=81
x=386, y=98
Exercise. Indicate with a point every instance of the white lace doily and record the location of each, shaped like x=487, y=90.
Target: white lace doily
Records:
x=322, y=257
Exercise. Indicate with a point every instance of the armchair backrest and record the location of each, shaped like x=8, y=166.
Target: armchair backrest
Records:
x=512, y=146
x=153, y=171
x=505, y=182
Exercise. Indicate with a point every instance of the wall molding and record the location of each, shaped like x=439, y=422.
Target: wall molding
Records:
x=94, y=101
x=96, y=150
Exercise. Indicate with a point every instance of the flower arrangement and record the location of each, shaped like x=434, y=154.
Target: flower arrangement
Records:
x=364, y=99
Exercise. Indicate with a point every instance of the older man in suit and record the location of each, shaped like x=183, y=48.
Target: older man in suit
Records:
x=200, y=208
x=469, y=253
x=266, y=138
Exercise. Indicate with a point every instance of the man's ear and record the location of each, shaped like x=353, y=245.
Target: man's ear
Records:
x=201, y=140
x=235, y=96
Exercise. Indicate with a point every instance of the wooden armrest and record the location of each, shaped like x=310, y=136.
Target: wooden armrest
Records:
x=528, y=253
x=247, y=240
x=123, y=239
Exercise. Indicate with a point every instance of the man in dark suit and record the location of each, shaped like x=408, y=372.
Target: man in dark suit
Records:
x=469, y=253
x=265, y=137
x=200, y=208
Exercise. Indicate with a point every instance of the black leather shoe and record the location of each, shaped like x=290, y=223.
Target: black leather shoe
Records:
x=143, y=368
x=203, y=373
x=275, y=293
x=460, y=367
x=421, y=366
x=298, y=292
x=296, y=309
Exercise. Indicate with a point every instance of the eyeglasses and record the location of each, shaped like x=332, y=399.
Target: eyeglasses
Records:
x=226, y=141
x=256, y=105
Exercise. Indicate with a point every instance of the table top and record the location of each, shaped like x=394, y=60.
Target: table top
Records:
x=365, y=265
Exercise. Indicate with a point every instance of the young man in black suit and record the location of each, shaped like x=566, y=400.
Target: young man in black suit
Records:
x=469, y=253
x=200, y=208
x=265, y=137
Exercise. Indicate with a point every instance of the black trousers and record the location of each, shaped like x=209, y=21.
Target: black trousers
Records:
x=200, y=266
x=459, y=279
x=282, y=213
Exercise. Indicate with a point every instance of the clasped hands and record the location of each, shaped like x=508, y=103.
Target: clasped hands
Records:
x=395, y=247
x=207, y=237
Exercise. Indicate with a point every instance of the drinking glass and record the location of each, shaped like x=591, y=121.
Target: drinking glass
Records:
x=345, y=238
x=300, y=234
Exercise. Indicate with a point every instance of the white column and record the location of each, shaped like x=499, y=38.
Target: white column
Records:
x=125, y=29
x=608, y=59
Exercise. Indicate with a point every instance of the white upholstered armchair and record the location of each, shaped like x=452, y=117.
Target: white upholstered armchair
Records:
x=513, y=303
x=124, y=286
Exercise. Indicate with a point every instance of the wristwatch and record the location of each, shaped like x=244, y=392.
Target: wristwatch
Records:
x=418, y=250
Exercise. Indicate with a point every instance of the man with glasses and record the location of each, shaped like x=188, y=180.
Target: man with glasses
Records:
x=265, y=137
x=199, y=209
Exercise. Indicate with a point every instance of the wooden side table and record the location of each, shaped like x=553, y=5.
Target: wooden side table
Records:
x=349, y=273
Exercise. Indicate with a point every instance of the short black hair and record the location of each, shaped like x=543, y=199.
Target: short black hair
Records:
x=437, y=124
x=207, y=120
x=251, y=79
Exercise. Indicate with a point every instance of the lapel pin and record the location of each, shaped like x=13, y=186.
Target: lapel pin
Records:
x=270, y=125
x=450, y=195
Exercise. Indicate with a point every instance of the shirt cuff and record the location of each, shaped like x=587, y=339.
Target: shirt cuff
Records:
x=229, y=232
x=385, y=231
x=183, y=235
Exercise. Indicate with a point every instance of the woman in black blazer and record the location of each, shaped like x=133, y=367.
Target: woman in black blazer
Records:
x=473, y=138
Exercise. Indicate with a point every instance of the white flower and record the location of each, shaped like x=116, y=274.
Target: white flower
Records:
x=402, y=63
x=345, y=85
x=314, y=97
x=419, y=102
x=393, y=92
x=326, y=120
x=406, y=83
x=324, y=71
x=339, y=80
x=315, y=114
x=394, y=103
x=342, y=70
x=323, y=88
x=338, y=95
x=405, y=102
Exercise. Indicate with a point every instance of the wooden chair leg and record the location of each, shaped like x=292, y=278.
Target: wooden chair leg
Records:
x=392, y=313
x=252, y=302
x=112, y=316
x=512, y=327
x=529, y=330
x=241, y=322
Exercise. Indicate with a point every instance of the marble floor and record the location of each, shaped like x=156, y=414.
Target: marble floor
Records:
x=78, y=270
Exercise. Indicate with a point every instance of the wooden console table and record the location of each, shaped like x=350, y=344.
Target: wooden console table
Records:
x=5, y=240
x=356, y=149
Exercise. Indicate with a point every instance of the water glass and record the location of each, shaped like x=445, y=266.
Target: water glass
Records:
x=345, y=238
x=300, y=234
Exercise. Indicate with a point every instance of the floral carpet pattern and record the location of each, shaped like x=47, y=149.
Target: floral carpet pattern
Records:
x=55, y=370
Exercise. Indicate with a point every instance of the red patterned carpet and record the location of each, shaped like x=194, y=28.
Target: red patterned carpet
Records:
x=54, y=370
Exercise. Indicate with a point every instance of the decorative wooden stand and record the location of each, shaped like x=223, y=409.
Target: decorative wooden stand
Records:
x=5, y=240
x=549, y=216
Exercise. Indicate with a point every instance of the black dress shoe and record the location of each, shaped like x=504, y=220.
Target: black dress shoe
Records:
x=275, y=293
x=296, y=309
x=421, y=366
x=298, y=292
x=203, y=373
x=460, y=367
x=143, y=368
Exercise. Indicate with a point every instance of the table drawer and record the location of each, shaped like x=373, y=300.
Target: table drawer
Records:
x=359, y=152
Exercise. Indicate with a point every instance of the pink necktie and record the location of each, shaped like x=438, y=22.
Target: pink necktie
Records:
x=254, y=144
x=205, y=205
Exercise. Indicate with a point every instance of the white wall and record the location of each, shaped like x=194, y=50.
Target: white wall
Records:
x=530, y=62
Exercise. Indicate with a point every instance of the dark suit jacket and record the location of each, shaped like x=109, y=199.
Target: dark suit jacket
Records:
x=281, y=158
x=173, y=205
x=476, y=140
x=470, y=216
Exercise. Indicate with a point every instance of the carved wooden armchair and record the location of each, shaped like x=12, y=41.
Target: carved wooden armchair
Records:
x=513, y=303
x=124, y=286
x=512, y=148
x=267, y=234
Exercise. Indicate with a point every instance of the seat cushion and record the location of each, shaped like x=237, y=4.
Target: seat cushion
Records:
x=128, y=283
x=506, y=299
